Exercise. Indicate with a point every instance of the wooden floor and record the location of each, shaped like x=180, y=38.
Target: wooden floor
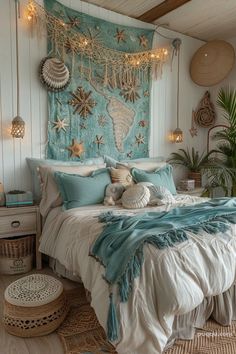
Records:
x=9, y=344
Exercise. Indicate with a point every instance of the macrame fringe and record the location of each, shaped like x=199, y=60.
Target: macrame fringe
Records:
x=112, y=321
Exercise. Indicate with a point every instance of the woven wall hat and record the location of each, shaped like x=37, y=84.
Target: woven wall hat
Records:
x=212, y=63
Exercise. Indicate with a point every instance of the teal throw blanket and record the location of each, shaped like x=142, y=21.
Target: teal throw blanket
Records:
x=120, y=246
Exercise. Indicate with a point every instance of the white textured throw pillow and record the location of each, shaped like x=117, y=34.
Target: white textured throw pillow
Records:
x=158, y=195
x=135, y=197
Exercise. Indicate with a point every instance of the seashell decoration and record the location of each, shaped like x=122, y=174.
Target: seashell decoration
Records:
x=135, y=197
x=205, y=115
x=54, y=74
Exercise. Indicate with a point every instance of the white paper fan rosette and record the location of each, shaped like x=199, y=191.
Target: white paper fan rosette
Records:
x=54, y=74
x=135, y=197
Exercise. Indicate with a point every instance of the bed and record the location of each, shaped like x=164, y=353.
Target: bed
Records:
x=178, y=289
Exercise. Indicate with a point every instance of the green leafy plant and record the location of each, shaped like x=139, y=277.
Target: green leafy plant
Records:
x=221, y=171
x=192, y=160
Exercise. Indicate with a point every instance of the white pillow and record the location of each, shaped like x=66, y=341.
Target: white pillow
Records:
x=142, y=165
x=51, y=196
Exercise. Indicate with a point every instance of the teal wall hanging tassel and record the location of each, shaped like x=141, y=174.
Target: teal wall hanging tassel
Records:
x=112, y=321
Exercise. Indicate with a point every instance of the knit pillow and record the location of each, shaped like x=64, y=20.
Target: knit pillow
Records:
x=135, y=197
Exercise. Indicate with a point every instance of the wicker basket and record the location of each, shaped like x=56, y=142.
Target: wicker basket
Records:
x=16, y=255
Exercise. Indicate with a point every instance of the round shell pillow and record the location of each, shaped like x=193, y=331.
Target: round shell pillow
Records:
x=135, y=197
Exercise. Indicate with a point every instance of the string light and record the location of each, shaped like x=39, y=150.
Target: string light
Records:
x=112, y=60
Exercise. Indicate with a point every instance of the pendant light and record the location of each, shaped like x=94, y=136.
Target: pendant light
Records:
x=177, y=135
x=18, y=125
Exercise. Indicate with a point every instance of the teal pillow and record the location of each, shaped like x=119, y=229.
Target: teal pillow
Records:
x=160, y=178
x=77, y=190
x=34, y=163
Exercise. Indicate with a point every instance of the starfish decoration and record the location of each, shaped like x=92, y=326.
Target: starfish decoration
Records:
x=139, y=139
x=76, y=149
x=120, y=35
x=60, y=124
x=146, y=93
x=129, y=154
x=143, y=41
x=143, y=123
x=91, y=38
x=73, y=22
x=130, y=90
x=99, y=141
x=83, y=126
x=82, y=102
x=102, y=120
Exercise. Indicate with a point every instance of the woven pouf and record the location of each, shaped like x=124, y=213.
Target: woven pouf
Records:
x=34, y=305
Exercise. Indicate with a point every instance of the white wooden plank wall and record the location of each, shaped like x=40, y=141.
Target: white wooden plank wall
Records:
x=33, y=101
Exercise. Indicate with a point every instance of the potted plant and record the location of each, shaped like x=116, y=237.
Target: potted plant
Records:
x=193, y=161
x=221, y=171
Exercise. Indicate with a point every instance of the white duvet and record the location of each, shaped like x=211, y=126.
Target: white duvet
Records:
x=173, y=281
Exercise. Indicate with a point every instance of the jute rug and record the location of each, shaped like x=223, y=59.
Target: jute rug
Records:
x=81, y=333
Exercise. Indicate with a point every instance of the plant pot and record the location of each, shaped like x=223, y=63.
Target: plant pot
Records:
x=197, y=178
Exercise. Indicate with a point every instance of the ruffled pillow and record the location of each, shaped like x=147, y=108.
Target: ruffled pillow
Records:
x=136, y=197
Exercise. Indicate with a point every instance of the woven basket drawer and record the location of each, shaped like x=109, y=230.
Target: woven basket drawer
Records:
x=20, y=223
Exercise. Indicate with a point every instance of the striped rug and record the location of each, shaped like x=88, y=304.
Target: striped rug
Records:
x=81, y=333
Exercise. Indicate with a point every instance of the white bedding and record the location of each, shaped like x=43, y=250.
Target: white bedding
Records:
x=173, y=281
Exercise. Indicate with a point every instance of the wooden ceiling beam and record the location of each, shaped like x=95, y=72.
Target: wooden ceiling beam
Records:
x=162, y=9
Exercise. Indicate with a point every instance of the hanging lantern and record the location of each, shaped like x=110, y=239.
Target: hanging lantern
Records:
x=177, y=136
x=18, y=127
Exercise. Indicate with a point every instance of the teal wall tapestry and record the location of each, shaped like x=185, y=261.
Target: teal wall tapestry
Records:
x=111, y=119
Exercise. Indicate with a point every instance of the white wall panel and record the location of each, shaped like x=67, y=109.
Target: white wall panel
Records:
x=33, y=98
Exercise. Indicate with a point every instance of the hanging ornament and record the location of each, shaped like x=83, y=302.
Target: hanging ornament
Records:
x=205, y=113
x=76, y=149
x=193, y=129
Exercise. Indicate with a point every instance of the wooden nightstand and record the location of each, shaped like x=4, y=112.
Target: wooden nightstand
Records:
x=196, y=192
x=22, y=221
